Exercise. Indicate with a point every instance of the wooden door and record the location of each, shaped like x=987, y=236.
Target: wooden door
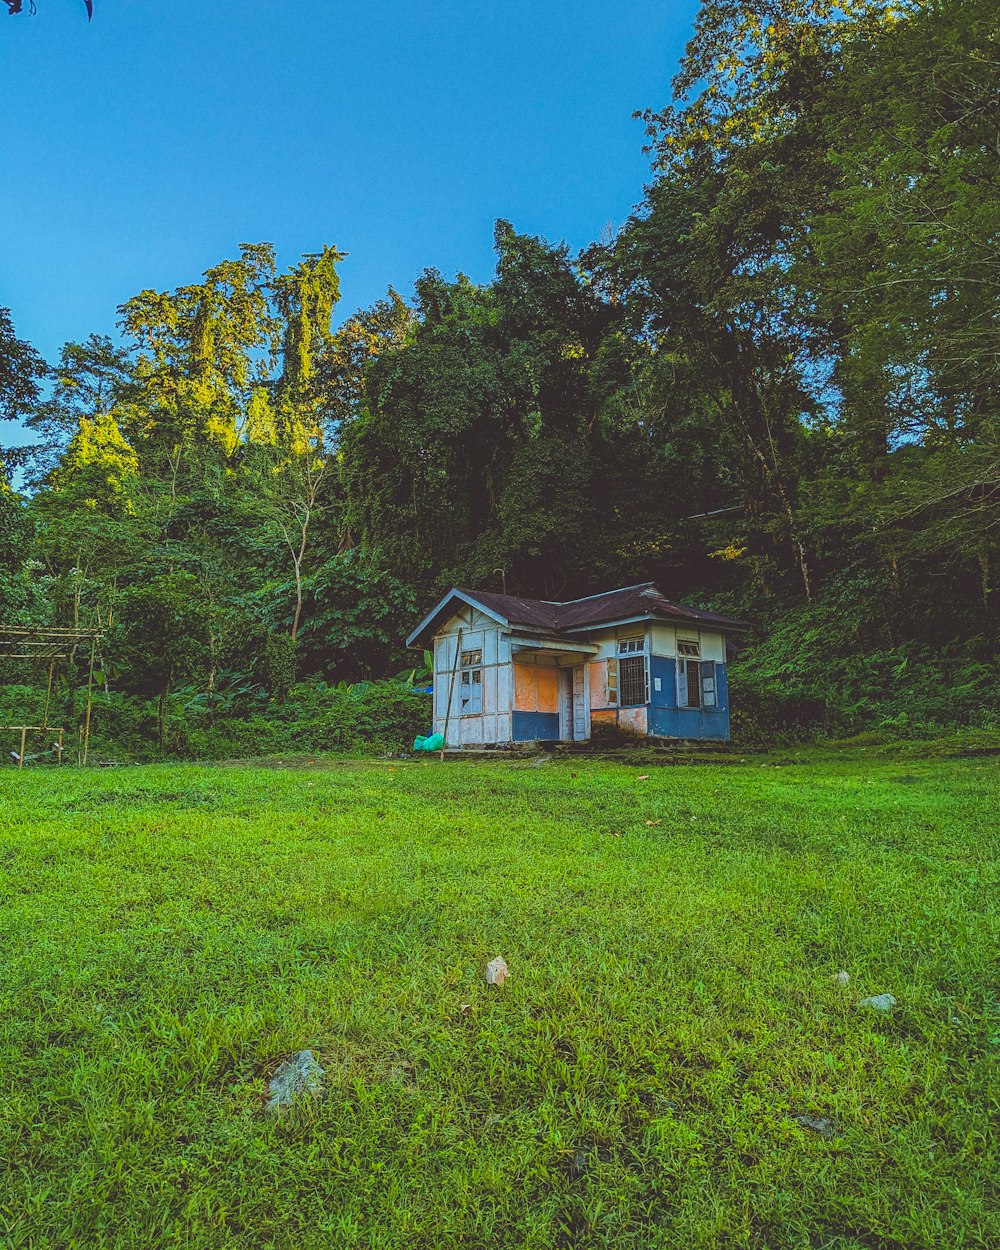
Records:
x=566, y=705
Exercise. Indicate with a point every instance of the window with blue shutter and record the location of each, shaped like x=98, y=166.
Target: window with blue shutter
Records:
x=708, y=692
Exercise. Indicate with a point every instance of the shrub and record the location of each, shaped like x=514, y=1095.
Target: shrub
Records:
x=313, y=717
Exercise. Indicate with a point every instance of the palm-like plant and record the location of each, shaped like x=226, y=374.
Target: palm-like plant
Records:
x=17, y=6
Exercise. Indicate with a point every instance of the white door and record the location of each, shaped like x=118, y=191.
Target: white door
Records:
x=581, y=713
x=566, y=705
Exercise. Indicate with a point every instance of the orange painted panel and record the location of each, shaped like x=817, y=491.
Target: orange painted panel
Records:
x=598, y=672
x=548, y=688
x=607, y=716
x=525, y=688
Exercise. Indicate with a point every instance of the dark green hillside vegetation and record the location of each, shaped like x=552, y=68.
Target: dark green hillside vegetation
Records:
x=774, y=391
x=670, y=1063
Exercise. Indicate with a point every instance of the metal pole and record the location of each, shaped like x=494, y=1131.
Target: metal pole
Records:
x=48, y=696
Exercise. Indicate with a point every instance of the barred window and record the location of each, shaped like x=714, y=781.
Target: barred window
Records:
x=689, y=683
x=632, y=681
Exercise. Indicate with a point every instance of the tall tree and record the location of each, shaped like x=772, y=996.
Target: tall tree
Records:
x=296, y=462
x=203, y=351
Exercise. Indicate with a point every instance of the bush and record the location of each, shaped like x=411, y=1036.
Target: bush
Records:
x=313, y=717
x=841, y=666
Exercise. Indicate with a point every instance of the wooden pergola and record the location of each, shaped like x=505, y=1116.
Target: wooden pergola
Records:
x=42, y=644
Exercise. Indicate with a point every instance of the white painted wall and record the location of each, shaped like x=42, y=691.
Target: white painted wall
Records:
x=478, y=633
x=664, y=640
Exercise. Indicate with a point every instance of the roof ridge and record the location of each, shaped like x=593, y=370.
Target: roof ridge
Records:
x=601, y=594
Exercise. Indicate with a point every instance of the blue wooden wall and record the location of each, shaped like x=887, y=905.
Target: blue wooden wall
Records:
x=667, y=720
x=536, y=726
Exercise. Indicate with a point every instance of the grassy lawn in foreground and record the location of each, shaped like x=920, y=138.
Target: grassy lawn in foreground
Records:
x=170, y=934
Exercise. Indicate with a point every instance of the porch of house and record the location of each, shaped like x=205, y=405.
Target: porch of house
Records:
x=551, y=693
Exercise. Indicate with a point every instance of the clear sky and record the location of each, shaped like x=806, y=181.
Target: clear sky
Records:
x=143, y=147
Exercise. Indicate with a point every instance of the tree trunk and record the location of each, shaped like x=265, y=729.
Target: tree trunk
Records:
x=298, y=602
x=161, y=719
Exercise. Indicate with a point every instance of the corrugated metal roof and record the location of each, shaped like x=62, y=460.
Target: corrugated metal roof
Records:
x=579, y=615
x=645, y=599
x=534, y=612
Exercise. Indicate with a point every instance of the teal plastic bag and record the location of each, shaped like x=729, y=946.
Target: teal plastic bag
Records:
x=433, y=742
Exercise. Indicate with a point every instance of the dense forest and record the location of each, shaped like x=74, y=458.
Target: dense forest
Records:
x=774, y=390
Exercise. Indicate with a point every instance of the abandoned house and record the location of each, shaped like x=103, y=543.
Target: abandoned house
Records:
x=524, y=670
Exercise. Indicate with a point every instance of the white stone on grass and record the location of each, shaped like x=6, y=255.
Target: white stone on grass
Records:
x=879, y=1002
x=293, y=1079
x=497, y=971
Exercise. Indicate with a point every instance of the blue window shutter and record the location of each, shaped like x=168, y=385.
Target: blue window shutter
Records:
x=709, y=688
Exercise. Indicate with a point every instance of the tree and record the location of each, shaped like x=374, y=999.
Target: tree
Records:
x=160, y=637
x=292, y=480
x=294, y=464
x=92, y=379
x=203, y=351
x=21, y=372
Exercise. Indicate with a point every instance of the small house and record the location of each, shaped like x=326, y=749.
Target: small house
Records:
x=508, y=669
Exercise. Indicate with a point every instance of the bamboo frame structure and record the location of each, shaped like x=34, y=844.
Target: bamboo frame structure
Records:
x=21, y=642
x=24, y=730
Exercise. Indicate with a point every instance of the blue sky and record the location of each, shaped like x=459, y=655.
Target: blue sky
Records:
x=143, y=147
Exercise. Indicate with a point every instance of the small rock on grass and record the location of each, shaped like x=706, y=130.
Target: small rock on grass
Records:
x=879, y=1002
x=842, y=978
x=497, y=971
x=819, y=1124
x=293, y=1079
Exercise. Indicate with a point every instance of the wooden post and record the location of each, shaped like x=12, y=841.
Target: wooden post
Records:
x=24, y=735
x=59, y=746
x=48, y=695
x=451, y=691
x=90, y=699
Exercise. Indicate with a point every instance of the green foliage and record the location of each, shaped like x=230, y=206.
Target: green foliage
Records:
x=15, y=532
x=171, y=934
x=357, y=614
x=239, y=719
x=849, y=662
x=21, y=372
x=775, y=388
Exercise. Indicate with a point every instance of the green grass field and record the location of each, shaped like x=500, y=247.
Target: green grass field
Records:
x=169, y=934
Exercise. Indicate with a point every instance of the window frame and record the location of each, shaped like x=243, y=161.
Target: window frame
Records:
x=687, y=662
x=642, y=659
x=624, y=647
x=471, y=679
x=611, y=681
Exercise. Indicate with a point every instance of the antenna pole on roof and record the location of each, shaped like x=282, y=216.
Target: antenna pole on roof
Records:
x=503, y=579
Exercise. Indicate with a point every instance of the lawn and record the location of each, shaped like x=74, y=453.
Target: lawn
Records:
x=170, y=934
